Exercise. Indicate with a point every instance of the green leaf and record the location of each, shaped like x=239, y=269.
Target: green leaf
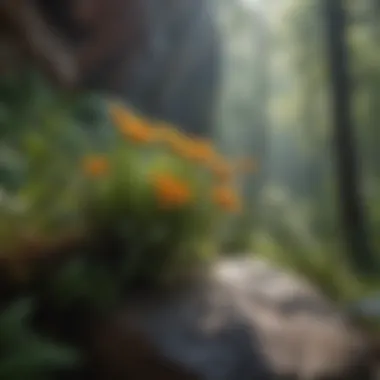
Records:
x=71, y=282
x=12, y=323
x=37, y=358
x=103, y=287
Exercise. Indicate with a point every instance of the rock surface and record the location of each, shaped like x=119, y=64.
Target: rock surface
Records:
x=252, y=321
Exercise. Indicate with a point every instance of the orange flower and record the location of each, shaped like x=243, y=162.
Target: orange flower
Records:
x=142, y=134
x=202, y=151
x=222, y=169
x=121, y=116
x=199, y=151
x=227, y=199
x=176, y=141
x=131, y=125
x=95, y=166
x=171, y=192
x=183, y=146
x=165, y=132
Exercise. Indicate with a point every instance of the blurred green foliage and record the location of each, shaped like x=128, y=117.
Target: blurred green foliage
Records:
x=118, y=200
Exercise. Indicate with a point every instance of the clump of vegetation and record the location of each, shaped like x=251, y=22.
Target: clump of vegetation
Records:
x=97, y=200
x=153, y=182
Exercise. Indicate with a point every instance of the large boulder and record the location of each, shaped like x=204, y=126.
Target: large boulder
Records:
x=248, y=321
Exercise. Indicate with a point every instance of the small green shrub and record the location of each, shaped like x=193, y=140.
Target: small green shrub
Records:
x=94, y=200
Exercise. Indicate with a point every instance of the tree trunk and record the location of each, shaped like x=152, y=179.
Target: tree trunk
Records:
x=351, y=204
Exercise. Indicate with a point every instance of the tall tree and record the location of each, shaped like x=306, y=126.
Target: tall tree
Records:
x=351, y=204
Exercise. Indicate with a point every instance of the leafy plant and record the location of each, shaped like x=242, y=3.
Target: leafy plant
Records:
x=24, y=353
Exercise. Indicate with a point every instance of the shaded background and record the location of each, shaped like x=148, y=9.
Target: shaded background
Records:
x=301, y=95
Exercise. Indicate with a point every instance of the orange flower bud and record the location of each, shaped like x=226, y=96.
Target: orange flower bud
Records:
x=95, y=166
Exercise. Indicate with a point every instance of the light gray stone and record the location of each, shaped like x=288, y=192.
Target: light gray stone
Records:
x=250, y=320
